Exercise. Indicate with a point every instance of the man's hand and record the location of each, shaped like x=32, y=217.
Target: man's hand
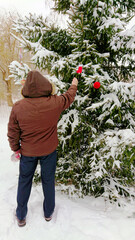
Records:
x=16, y=156
x=75, y=81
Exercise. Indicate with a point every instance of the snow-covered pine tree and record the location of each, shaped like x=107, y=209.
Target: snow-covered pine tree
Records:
x=97, y=139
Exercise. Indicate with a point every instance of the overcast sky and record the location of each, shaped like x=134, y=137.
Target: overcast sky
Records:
x=34, y=6
x=25, y=6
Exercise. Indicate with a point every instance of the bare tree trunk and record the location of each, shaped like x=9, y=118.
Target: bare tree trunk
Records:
x=9, y=93
x=8, y=85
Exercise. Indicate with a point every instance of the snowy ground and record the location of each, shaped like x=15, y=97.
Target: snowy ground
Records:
x=74, y=219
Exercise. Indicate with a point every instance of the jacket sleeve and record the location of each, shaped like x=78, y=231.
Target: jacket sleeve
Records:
x=13, y=132
x=67, y=98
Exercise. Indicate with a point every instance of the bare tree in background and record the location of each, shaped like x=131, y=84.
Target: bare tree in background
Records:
x=9, y=51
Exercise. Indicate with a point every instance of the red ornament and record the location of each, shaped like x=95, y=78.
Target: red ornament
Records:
x=79, y=70
x=96, y=85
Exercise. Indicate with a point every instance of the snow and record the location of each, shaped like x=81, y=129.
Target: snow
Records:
x=109, y=121
x=82, y=2
x=116, y=140
x=108, y=98
x=40, y=53
x=88, y=218
x=101, y=4
x=66, y=118
x=112, y=21
x=18, y=71
x=127, y=89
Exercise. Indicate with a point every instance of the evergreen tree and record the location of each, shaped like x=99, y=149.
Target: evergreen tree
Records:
x=97, y=139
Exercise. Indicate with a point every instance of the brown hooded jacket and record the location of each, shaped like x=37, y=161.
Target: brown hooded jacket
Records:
x=33, y=120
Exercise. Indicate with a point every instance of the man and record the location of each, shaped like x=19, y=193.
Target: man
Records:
x=32, y=135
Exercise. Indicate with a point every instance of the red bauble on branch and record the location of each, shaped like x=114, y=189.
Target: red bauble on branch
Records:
x=79, y=69
x=96, y=85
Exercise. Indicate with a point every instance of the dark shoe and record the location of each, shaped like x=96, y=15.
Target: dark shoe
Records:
x=48, y=219
x=21, y=223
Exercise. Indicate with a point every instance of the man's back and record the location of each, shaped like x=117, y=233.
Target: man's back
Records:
x=34, y=119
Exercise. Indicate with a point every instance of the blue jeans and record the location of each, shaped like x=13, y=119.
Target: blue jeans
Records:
x=27, y=168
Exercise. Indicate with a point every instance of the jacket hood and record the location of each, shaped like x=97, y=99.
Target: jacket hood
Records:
x=36, y=85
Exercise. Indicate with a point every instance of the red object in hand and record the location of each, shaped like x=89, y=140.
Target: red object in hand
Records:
x=79, y=70
x=15, y=157
x=96, y=85
x=17, y=154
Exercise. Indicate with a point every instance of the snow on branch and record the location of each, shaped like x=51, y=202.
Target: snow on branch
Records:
x=125, y=38
x=114, y=143
x=116, y=22
x=108, y=99
x=40, y=53
x=127, y=90
x=70, y=117
x=18, y=71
